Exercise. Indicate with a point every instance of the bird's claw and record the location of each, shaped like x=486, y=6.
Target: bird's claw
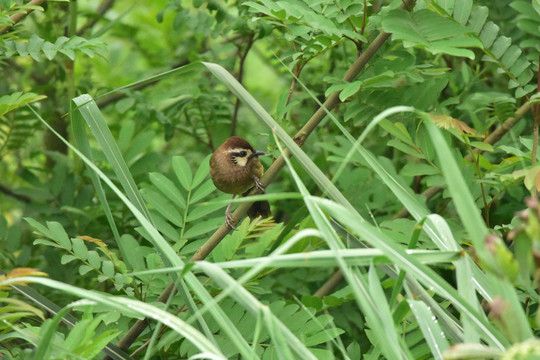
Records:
x=229, y=221
x=259, y=185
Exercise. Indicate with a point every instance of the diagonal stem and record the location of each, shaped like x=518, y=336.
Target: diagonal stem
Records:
x=19, y=16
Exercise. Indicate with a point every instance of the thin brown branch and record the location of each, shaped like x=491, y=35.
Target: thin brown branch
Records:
x=13, y=194
x=102, y=9
x=240, y=77
x=18, y=17
x=234, y=118
x=364, y=18
x=330, y=284
x=297, y=70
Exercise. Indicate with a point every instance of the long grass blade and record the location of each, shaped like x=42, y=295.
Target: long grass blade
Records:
x=254, y=306
x=377, y=317
x=430, y=328
x=90, y=112
x=473, y=222
x=170, y=257
x=129, y=307
x=423, y=273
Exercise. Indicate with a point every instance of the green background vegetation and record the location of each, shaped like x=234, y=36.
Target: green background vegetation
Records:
x=402, y=177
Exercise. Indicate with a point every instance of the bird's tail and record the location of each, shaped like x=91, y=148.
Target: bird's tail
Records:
x=258, y=208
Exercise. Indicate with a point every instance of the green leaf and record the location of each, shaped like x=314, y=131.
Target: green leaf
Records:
x=88, y=110
x=162, y=205
x=167, y=187
x=133, y=256
x=94, y=259
x=39, y=227
x=47, y=242
x=164, y=227
x=336, y=87
x=66, y=258
x=500, y=46
x=398, y=130
x=69, y=53
x=58, y=234
x=183, y=172
x=108, y=268
x=79, y=248
x=85, y=269
x=406, y=148
x=202, y=172
x=34, y=47
x=349, y=90
x=314, y=302
x=49, y=50
x=203, y=227
x=518, y=67
x=98, y=343
x=323, y=336
x=13, y=101
x=463, y=11
x=426, y=29
x=202, y=191
x=478, y=18
x=416, y=169
x=379, y=80
x=461, y=195
x=203, y=210
x=138, y=145
x=482, y=145
x=21, y=48
x=124, y=104
x=489, y=33
x=510, y=56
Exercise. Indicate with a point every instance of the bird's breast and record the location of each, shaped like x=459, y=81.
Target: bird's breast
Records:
x=232, y=178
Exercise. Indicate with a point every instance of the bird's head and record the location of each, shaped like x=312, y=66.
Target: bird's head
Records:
x=240, y=151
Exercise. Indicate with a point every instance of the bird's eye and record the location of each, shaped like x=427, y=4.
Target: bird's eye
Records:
x=243, y=153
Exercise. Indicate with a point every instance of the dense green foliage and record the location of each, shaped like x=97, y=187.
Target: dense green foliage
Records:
x=405, y=225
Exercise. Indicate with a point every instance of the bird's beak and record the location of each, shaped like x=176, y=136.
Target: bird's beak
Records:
x=257, y=154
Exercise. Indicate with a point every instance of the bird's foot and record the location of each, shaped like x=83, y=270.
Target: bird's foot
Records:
x=259, y=185
x=229, y=221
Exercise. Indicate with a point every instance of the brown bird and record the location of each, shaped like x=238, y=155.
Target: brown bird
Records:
x=235, y=168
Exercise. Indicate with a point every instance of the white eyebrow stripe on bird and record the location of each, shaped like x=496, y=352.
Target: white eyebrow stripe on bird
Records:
x=237, y=150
